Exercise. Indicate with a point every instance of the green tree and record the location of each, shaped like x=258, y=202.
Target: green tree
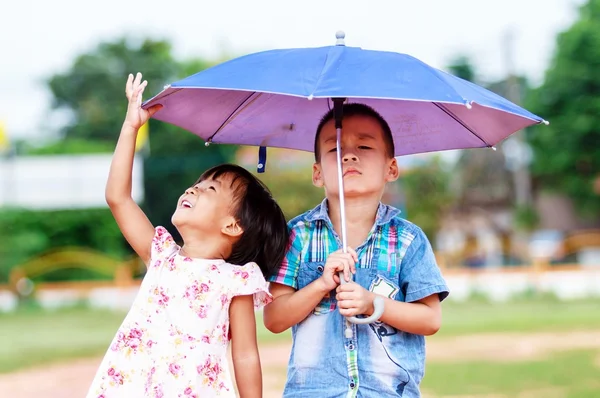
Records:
x=461, y=66
x=567, y=152
x=92, y=91
x=428, y=195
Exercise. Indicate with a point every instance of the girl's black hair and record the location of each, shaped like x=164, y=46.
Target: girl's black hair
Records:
x=266, y=236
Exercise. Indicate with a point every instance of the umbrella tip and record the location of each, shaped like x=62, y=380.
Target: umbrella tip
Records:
x=340, y=36
x=545, y=122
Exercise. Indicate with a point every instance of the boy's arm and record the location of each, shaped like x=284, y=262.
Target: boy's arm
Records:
x=422, y=317
x=291, y=306
x=135, y=226
x=244, y=347
x=423, y=286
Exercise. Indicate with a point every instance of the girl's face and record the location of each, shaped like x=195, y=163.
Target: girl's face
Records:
x=206, y=207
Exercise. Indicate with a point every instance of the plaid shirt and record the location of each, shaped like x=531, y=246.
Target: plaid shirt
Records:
x=396, y=260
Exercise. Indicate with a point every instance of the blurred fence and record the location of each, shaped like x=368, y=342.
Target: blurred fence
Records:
x=565, y=281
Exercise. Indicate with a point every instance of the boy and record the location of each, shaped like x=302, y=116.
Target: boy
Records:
x=392, y=258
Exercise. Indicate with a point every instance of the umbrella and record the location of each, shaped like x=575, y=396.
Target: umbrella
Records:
x=276, y=98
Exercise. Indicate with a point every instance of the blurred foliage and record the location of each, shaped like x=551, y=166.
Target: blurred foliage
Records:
x=526, y=218
x=567, y=152
x=293, y=190
x=29, y=233
x=462, y=67
x=71, y=146
x=428, y=195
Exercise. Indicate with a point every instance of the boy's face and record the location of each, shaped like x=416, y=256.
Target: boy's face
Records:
x=366, y=165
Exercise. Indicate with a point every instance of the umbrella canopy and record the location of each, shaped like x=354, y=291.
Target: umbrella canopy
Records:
x=277, y=98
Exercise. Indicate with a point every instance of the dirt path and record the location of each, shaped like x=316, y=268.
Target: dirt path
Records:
x=71, y=380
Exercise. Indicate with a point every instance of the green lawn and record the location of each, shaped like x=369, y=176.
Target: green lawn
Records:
x=33, y=336
x=573, y=374
x=535, y=315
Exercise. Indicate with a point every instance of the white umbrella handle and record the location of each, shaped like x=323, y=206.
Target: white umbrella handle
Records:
x=377, y=308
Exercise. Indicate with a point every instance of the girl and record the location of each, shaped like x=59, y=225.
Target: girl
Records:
x=193, y=299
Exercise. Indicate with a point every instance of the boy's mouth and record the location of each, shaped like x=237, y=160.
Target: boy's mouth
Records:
x=186, y=204
x=351, y=171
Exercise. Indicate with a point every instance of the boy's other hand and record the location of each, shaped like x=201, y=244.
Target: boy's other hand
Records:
x=336, y=262
x=136, y=116
x=353, y=299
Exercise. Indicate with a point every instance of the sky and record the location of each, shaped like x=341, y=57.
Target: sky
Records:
x=39, y=38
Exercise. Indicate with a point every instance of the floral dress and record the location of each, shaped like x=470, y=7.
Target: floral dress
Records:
x=173, y=342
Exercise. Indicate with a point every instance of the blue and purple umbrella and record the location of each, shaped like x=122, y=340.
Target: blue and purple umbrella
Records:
x=276, y=99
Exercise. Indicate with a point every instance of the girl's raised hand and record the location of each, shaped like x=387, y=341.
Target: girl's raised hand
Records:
x=136, y=116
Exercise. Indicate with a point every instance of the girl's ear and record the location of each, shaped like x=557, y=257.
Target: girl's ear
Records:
x=232, y=228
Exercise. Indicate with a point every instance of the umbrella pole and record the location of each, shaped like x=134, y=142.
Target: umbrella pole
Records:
x=338, y=104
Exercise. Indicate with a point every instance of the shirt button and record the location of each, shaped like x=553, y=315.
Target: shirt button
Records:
x=320, y=268
x=351, y=347
x=352, y=385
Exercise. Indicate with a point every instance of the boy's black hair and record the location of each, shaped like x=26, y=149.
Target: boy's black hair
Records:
x=266, y=236
x=356, y=109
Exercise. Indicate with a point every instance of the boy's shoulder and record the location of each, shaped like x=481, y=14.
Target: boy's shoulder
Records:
x=387, y=216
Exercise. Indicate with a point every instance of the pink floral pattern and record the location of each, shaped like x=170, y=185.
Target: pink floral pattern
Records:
x=174, y=340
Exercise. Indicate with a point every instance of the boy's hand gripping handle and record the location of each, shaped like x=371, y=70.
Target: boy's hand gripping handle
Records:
x=377, y=308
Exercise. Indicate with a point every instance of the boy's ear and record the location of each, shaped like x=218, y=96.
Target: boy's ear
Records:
x=393, y=171
x=317, y=176
x=232, y=228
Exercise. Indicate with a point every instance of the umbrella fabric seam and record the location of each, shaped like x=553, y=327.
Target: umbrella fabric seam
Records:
x=469, y=129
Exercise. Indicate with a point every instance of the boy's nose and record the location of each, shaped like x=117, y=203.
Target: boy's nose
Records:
x=190, y=191
x=349, y=157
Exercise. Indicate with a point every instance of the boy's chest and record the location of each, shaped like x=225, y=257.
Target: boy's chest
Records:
x=381, y=250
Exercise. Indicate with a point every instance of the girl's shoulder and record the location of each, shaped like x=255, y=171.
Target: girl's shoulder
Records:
x=248, y=279
x=163, y=244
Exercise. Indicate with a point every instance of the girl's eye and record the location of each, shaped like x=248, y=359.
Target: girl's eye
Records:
x=333, y=149
x=364, y=147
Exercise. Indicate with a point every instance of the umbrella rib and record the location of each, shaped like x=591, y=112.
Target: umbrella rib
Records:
x=231, y=116
x=453, y=116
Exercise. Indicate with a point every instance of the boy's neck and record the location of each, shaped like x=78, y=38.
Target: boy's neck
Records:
x=360, y=217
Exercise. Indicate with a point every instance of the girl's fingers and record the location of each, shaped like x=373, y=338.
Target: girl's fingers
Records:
x=138, y=79
x=129, y=86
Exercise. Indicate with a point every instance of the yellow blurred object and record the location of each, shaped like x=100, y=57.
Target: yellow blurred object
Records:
x=142, y=137
x=4, y=144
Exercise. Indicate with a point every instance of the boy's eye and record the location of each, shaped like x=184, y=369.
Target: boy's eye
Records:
x=333, y=149
x=364, y=147
x=213, y=188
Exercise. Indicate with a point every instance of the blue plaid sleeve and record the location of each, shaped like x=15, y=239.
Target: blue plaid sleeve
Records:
x=288, y=272
x=420, y=275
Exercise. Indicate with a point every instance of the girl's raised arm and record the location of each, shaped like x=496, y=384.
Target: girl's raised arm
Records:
x=132, y=221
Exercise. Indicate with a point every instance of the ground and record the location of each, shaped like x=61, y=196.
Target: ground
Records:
x=71, y=379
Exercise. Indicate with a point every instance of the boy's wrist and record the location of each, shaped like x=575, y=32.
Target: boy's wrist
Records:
x=322, y=286
x=371, y=307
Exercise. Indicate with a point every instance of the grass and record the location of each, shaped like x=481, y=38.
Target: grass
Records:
x=33, y=336
x=571, y=374
x=534, y=315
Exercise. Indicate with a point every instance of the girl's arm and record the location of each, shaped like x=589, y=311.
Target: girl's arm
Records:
x=244, y=347
x=132, y=221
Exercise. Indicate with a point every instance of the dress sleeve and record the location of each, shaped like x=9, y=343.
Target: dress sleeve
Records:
x=249, y=280
x=163, y=247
